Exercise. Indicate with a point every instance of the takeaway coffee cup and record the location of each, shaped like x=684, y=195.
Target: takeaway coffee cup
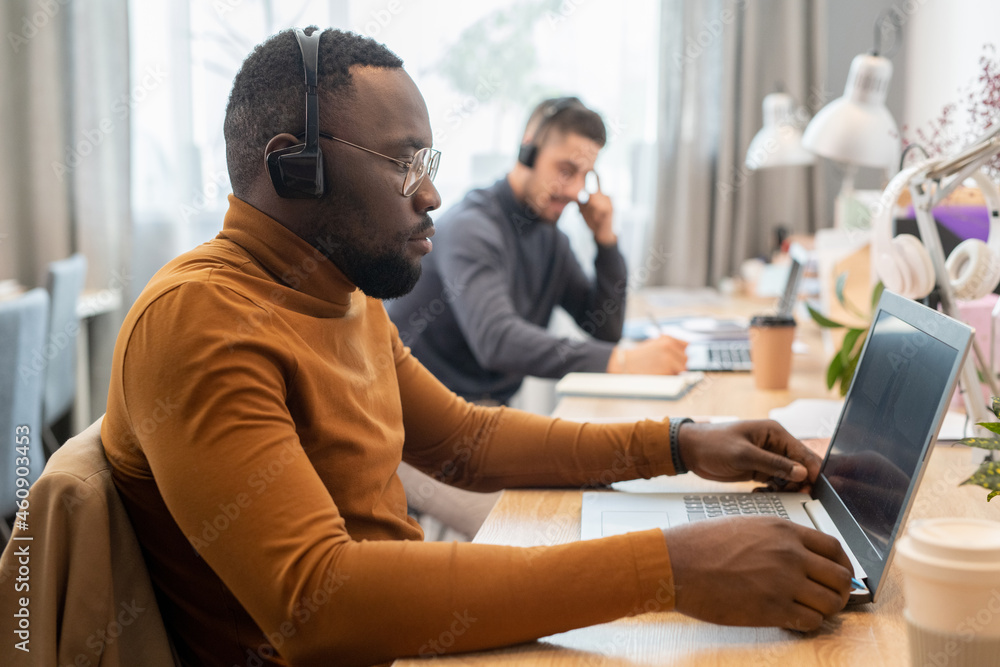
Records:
x=951, y=587
x=771, y=339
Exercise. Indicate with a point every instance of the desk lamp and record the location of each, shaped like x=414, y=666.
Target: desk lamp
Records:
x=779, y=141
x=857, y=129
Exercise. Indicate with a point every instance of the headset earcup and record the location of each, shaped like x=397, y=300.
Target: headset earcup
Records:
x=527, y=155
x=296, y=172
x=973, y=270
x=915, y=263
x=890, y=272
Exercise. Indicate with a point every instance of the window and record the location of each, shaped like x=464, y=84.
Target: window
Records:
x=480, y=66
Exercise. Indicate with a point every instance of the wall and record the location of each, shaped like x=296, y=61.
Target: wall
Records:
x=946, y=39
x=849, y=31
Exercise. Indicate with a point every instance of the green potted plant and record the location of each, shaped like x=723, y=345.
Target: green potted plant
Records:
x=842, y=366
x=988, y=474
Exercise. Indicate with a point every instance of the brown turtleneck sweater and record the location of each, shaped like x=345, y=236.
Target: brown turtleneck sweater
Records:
x=259, y=406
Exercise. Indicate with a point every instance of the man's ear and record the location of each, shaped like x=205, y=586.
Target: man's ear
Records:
x=279, y=141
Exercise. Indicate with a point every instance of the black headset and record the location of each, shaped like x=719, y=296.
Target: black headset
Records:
x=529, y=151
x=297, y=171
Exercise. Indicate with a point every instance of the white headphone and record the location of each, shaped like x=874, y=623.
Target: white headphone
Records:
x=905, y=266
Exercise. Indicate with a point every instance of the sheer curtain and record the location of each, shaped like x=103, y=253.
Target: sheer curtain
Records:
x=64, y=186
x=719, y=58
x=480, y=66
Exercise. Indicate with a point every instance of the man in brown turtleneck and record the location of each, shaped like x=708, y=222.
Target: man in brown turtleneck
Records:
x=261, y=402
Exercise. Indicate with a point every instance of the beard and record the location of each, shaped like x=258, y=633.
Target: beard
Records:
x=382, y=270
x=385, y=274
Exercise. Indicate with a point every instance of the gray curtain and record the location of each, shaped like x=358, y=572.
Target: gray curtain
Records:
x=103, y=96
x=64, y=186
x=718, y=60
x=35, y=211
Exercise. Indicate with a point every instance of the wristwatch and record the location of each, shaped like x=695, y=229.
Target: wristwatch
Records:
x=675, y=448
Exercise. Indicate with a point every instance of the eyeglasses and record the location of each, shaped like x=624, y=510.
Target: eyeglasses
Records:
x=423, y=165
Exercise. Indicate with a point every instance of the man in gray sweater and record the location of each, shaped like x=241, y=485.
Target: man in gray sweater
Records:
x=478, y=316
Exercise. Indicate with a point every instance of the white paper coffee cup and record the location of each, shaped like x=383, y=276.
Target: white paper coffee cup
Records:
x=951, y=587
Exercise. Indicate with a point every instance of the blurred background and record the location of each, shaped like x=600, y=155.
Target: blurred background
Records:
x=112, y=118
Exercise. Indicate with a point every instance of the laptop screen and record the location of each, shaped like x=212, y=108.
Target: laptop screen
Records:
x=892, y=413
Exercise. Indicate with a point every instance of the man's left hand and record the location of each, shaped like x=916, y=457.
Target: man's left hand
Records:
x=760, y=450
x=598, y=213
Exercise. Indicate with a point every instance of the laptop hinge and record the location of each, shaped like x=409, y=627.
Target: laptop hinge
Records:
x=824, y=524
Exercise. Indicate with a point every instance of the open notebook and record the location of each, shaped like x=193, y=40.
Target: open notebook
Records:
x=610, y=385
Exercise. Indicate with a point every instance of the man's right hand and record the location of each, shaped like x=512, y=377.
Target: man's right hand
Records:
x=758, y=571
x=657, y=356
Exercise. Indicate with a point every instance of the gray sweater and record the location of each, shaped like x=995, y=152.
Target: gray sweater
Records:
x=477, y=318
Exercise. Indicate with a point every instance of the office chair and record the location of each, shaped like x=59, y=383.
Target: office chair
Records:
x=66, y=280
x=23, y=324
x=91, y=595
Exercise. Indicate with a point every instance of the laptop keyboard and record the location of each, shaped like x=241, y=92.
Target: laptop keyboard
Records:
x=729, y=354
x=702, y=506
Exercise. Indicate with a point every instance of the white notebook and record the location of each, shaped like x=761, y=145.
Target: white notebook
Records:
x=627, y=386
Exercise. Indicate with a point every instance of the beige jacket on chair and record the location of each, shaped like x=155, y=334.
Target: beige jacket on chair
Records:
x=79, y=570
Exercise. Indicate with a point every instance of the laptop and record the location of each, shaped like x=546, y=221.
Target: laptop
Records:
x=729, y=348
x=892, y=413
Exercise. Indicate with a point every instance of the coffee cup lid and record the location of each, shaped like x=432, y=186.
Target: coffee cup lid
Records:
x=772, y=321
x=959, y=539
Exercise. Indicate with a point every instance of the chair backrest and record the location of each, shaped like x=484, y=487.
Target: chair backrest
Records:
x=23, y=325
x=90, y=599
x=66, y=280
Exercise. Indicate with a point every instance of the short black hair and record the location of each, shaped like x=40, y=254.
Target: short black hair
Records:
x=268, y=95
x=564, y=115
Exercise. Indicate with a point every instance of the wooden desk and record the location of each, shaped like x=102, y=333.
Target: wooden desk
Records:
x=873, y=634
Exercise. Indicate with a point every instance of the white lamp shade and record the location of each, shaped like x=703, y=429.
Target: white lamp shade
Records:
x=858, y=128
x=779, y=141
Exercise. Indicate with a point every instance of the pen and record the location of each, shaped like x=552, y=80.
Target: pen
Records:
x=656, y=324
x=857, y=584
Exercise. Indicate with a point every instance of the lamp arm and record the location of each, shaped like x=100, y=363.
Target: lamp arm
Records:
x=980, y=152
x=923, y=203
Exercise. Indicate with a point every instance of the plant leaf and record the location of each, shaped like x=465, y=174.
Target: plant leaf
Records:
x=849, y=340
x=992, y=493
x=990, y=426
x=981, y=443
x=848, y=373
x=987, y=476
x=838, y=287
x=996, y=406
x=823, y=320
x=877, y=294
x=834, y=371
